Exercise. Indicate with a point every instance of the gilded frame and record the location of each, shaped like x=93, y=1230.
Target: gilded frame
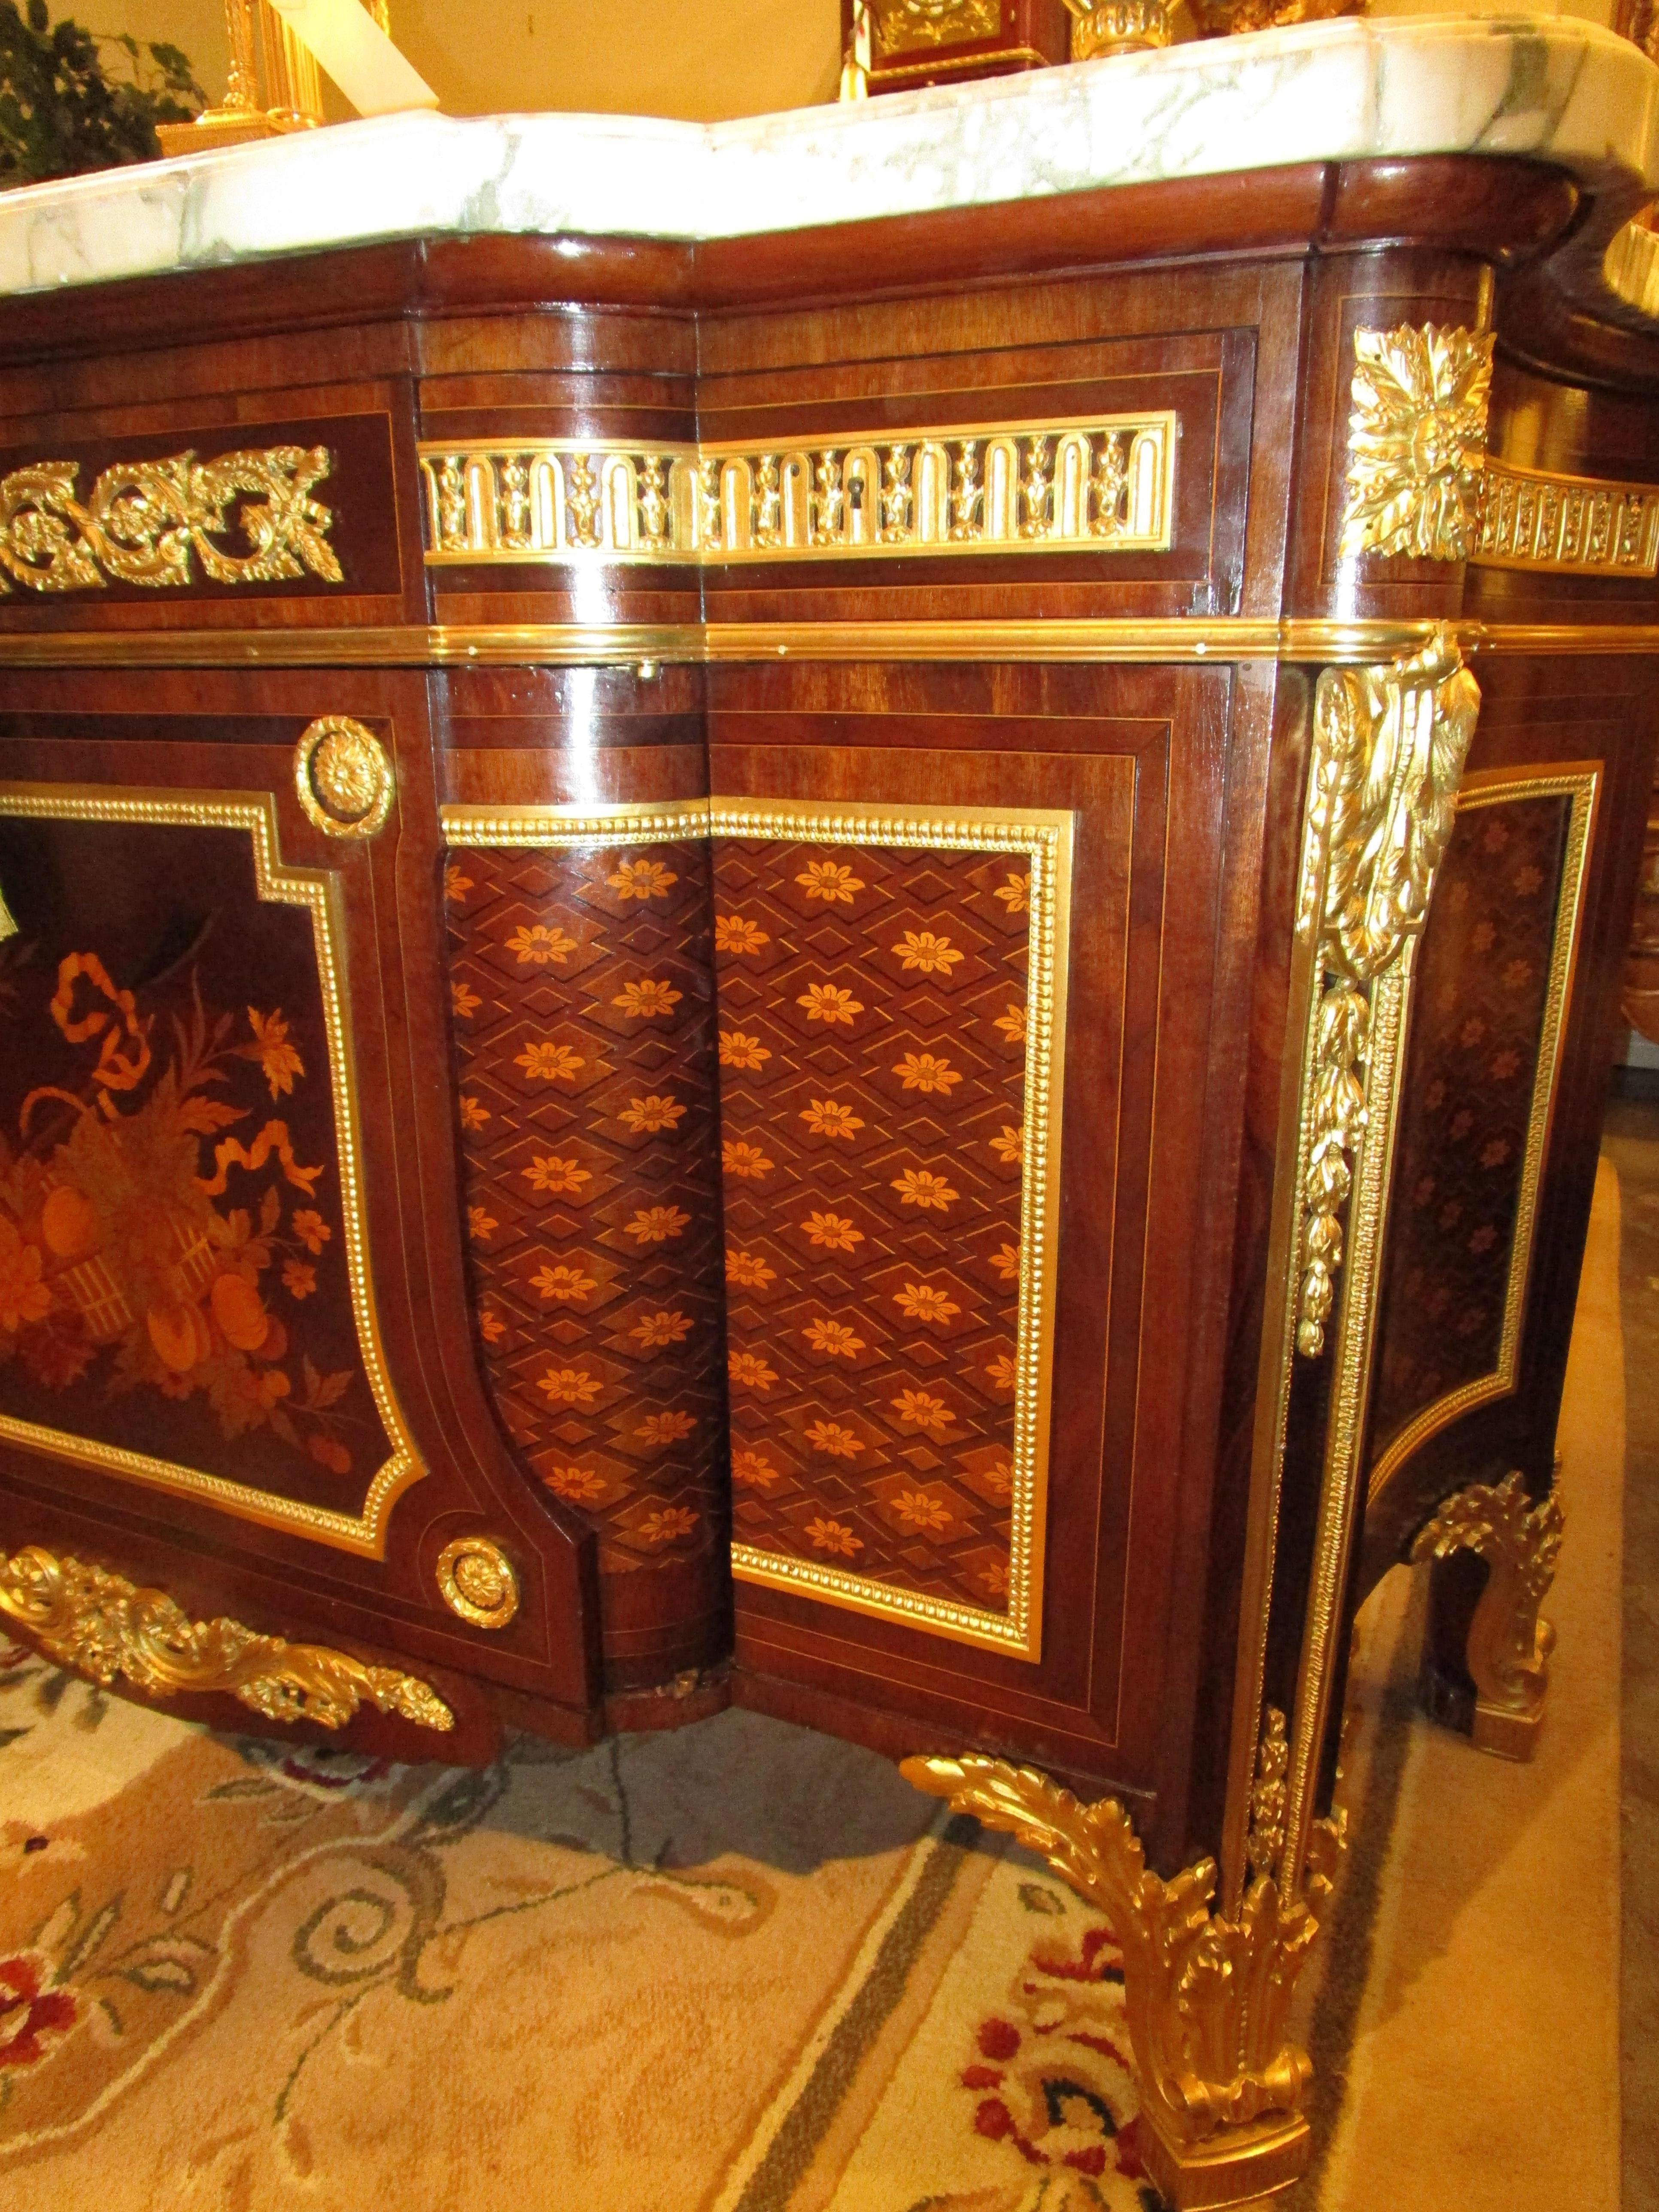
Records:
x=1044, y=838
x=316, y=890
x=1496, y=787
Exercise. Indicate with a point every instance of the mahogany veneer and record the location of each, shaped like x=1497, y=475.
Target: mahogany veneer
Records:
x=1233, y=302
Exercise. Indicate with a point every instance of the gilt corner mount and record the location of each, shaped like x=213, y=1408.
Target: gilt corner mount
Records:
x=1389, y=749
x=1420, y=484
x=1208, y=1996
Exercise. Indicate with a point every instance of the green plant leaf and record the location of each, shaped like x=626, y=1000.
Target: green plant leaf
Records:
x=63, y=111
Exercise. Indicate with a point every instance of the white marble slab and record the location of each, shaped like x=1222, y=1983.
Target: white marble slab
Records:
x=1553, y=87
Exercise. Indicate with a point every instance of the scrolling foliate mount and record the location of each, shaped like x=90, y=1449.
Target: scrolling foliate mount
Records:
x=1417, y=442
x=1421, y=484
x=1389, y=745
x=1508, y=1646
x=154, y=522
x=1208, y=1998
x=100, y=1624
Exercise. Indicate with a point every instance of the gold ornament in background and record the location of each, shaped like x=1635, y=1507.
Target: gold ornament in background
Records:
x=100, y=1624
x=1220, y=19
x=904, y=27
x=150, y=522
x=1118, y=27
x=1508, y=1646
x=264, y=50
x=1267, y=1833
x=343, y=777
x=1639, y=22
x=1389, y=745
x=476, y=1582
x=1417, y=442
x=1209, y=1999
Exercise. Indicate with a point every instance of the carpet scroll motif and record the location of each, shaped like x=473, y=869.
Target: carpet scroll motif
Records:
x=245, y=1974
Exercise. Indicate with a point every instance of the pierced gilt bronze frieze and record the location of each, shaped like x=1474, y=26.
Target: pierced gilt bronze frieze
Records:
x=1102, y=483
x=1568, y=525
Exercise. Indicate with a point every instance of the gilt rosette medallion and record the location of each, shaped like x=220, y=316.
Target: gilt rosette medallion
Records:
x=183, y=1282
x=888, y=1141
x=582, y=1002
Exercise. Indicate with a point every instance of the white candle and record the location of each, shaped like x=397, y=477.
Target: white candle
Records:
x=357, y=54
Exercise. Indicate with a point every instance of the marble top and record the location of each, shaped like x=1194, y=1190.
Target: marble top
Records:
x=1556, y=88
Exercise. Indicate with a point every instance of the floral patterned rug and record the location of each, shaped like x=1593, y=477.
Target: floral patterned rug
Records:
x=738, y=1968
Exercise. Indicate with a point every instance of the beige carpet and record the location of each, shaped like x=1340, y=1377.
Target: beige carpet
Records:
x=744, y=1968
x=1472, y=2012
x=741, y=1966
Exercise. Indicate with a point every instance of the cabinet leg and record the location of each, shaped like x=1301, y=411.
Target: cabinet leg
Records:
x=1207, y=1998
x=1486, y=1657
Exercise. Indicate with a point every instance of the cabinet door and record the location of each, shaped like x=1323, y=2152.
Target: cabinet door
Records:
x=236, y=1353
x=981, y=1093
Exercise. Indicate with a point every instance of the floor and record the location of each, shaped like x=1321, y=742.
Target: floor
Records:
x=1632, y=1142
x=1463, y=2011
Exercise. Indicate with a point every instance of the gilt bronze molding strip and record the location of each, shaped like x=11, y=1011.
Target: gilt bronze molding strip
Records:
x=1103, y=640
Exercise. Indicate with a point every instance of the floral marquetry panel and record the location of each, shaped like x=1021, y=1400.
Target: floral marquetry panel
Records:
x=582, y=1015
x=1492, y=975
x=183, y=1296
x=877, y=1005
